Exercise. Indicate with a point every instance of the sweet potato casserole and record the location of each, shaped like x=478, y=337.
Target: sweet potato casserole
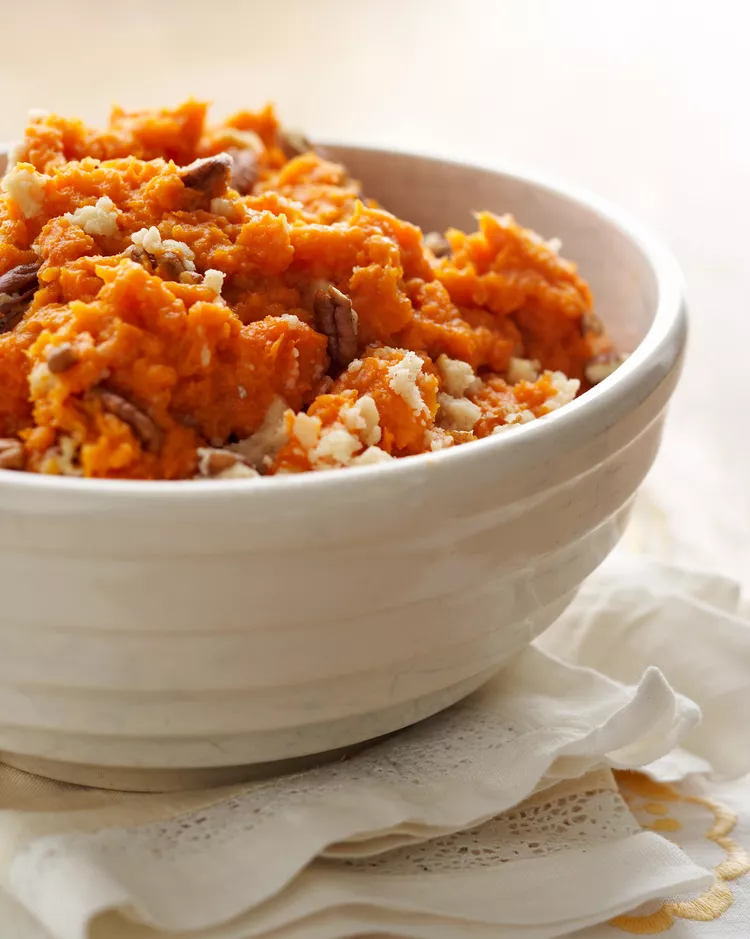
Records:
x=183, y=300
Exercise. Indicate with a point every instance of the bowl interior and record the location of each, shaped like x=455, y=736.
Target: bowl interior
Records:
x=436, y=194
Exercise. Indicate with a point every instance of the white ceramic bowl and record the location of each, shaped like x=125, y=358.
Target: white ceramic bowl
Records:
x=158, y=635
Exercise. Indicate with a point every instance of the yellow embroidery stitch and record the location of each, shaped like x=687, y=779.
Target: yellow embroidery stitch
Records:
x=665, y=824
x=655, y=808
x=718, y=898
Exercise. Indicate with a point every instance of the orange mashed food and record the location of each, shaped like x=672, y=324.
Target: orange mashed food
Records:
x=183, y=300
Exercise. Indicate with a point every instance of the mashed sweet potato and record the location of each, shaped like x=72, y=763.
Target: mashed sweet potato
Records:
x=181, y=300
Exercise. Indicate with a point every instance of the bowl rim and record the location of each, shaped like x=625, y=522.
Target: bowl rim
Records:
x=660, y=348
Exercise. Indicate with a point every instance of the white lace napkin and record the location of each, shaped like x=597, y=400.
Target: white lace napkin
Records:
x=564, y=853
x=692, y=626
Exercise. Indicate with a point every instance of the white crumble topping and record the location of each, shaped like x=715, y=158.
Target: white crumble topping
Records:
x=514, y=419
x=224, y=207
x=554, y=245
x=456, y=377
x=596, y=372
x=371, y=456
x=26, y=188
x=363, y=416
x=214, y=280
x=170, y=244
x=438, y=439
x=148, y=238
x=205, y=356
x=457, y=413
x=292, y=319
x=522, y=370
x=264, y=444
x=204, y=457
x=241, y=392
x=565, y=391
x=354, y=366
x=97, y=219
x=179, y=247
x=66, y=458
x=402, y=378
x=151, y=241
x=307, y=430
x=238, y=471
x=336, y=447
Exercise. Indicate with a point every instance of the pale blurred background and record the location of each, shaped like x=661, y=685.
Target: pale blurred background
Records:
x=645, y=102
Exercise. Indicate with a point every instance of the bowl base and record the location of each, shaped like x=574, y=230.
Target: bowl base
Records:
x=126, y=779
x=174, y=779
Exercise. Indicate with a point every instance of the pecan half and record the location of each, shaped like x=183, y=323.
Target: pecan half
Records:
x=61, y=358
x=145, y=429
x=209, y=175
x=17, y=289
x=170, y=265
x=244, y=173
x=438, y=244
x=293, y=143
x=12, y=456
x=591, y=325
x=138, y=254
x=21, y=279
x=335, y=318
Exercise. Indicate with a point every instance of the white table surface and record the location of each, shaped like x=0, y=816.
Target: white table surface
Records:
x=643, y=101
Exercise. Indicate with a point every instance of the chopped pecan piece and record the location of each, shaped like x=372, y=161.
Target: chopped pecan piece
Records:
x=591, y=324
x=170, y=265
x=17, y=289
x=61, y=358
x=145, y=429
x=335, y=318
x=11, y=314
x=138, y=254
x=438, y=244
x=600, y=367
x=209, y=175
x=294, y=144
x=12, y=456
x=21, y=279
x=244, y=173
x=213, y=461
